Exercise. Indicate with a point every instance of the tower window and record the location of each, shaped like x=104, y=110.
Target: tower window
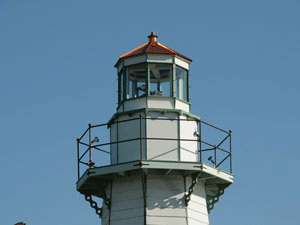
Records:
x=153, y=79
x=121, y=86
x=181, y=84
x=136, y=82
x=160, y=79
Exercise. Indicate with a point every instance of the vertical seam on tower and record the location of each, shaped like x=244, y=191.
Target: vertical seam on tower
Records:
x=146, y=141
x=173, y=79
x=117, y=140
x=144, y=183
x=186, y=209
x=188, y=87
x=124, y=76
x=178, y=133
x=141, y=139
x=111, y=184
x=148, y=80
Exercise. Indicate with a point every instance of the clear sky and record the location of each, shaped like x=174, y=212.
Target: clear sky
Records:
x=57, y=75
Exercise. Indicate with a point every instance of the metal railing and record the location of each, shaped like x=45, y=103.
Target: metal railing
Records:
x=210, y=142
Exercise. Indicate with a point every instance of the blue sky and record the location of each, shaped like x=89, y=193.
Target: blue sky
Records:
x=57, y=75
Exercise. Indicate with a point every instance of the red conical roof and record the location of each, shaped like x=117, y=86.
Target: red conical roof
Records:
x=153, y=47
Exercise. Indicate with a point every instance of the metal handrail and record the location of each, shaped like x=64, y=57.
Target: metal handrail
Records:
x=200, y=140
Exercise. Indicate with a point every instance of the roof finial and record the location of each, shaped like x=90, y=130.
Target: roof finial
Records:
x=152, y=37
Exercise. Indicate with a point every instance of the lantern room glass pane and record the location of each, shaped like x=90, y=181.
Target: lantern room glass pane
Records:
x=160, y=79
x=136, y=82
x=181, y=84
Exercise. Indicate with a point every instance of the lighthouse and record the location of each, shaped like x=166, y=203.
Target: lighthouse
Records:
x=159, y=165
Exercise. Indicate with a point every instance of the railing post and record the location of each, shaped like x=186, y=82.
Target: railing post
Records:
x=78, y=164
x=230, y=151
x=215, y=156
x=90, y=148
x=90, y=135
x=141, y=143
x=200, y=133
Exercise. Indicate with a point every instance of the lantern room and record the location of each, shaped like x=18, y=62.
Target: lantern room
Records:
x=153, y=71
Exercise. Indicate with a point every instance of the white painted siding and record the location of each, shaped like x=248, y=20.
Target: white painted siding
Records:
x=126, y=214
x=165, y=200
x=133, y=104
x=134, y=203
x=134, y=60
x=197, y=211
x=188, y=149
x=127, y=151
x=163, y=126
x=129, y=221
x=197, y=216
x=166, y=220
x=182, y=105
x=105, y=211
x=105, y=215
x=153, y=102
x=161, y=103
x=113, y=147
x=181, y=63
x=200, y=206
x=127, y=204
x=160, y=58
x=162, y=149
x=195, y=222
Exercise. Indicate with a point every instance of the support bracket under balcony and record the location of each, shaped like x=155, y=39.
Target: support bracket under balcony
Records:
x=94, y=205
x=191, y=188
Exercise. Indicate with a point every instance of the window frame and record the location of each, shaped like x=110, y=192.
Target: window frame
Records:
x=124, y=73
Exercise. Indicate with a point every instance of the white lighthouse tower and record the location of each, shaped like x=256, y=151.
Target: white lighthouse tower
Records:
x=161, y=168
